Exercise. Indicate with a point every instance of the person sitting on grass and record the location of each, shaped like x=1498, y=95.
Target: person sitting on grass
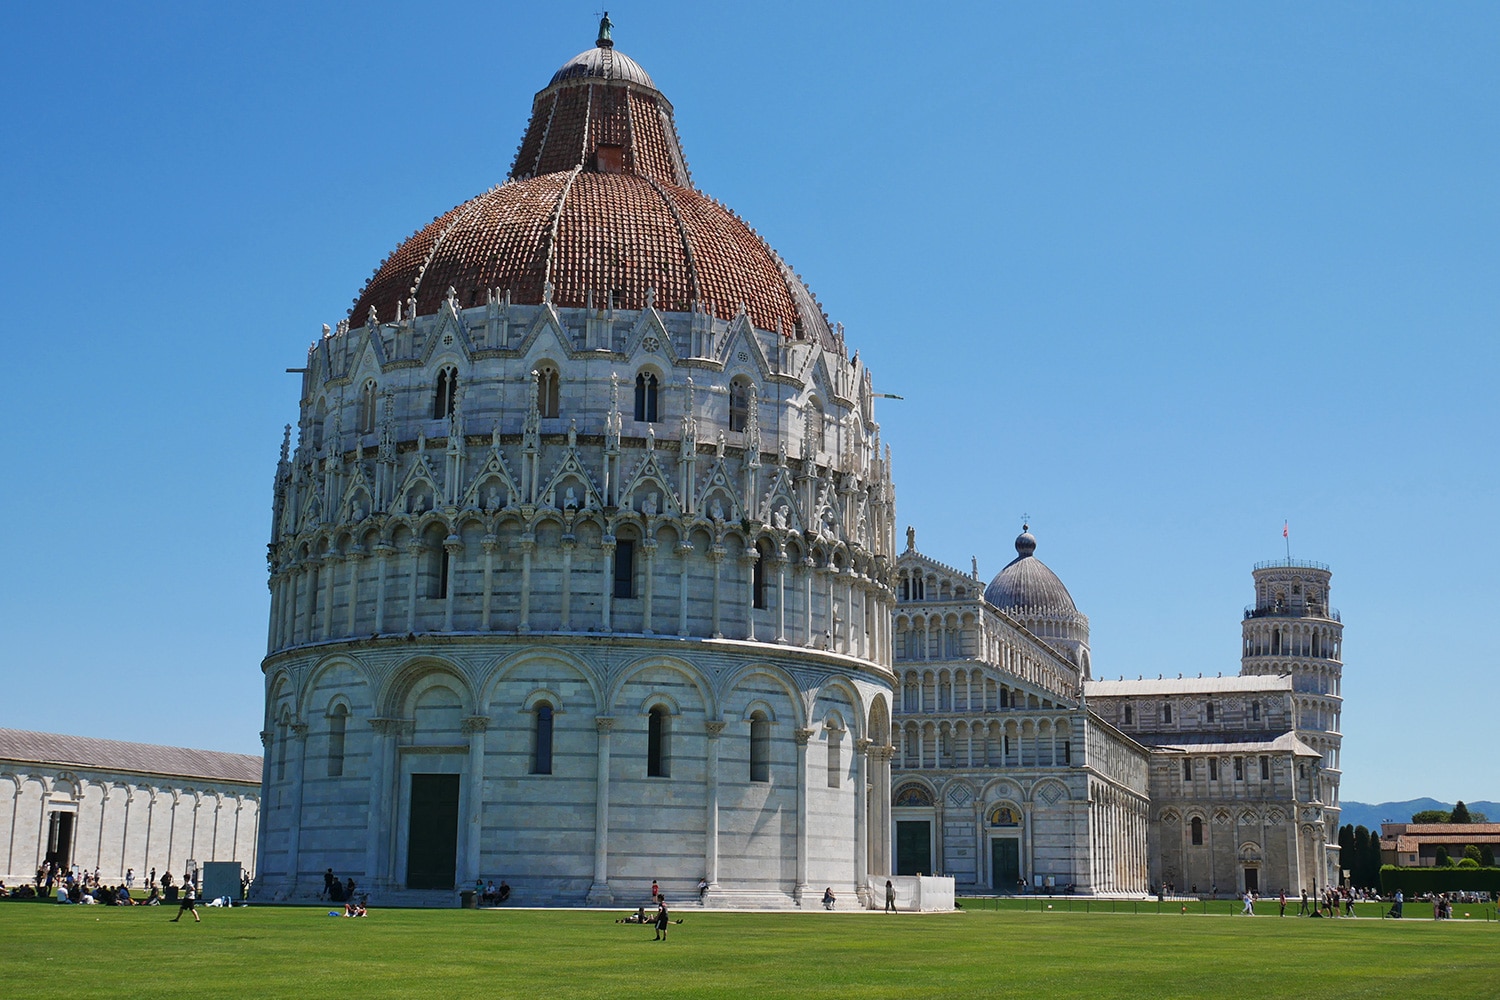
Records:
x=638, y=917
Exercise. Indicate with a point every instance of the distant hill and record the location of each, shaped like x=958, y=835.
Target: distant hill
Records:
x=1371, y=816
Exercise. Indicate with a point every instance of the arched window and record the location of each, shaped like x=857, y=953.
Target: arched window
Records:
x=338, y=722
x=645, y=397
x=758, y=574
x=1129, y=715
x=1213, y=769
x=1210, y=709
x=1187, y=769
x=760, y=747
x=658, y=736
x=367, y=407
x=1197, y=831
x=739, y=404
x=816, y=428
x=1166, y=711
x=438, y=562
x=320, y=418
x=1255, y=711
x=541, y=744
x=445, y=395
x=547, y=382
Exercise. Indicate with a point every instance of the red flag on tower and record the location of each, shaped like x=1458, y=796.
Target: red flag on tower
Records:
x=1286, y=529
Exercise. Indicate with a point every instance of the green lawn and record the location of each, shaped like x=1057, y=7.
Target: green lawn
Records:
x=75, y=951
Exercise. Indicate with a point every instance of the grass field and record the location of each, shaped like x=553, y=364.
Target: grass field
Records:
x=76, y=951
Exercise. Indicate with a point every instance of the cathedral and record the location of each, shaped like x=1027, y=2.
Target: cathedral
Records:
x=584, y=574
x=1015, y=769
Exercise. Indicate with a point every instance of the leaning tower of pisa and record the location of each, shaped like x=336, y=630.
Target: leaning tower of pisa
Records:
x=1292, y=629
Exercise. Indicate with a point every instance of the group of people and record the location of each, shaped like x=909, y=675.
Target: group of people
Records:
x=661, y=919
x=336, y=891
x=490, y=894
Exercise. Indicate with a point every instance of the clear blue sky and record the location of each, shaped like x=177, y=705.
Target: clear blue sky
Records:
x=1161, y=275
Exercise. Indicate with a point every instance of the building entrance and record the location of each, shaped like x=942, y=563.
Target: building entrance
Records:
x=1005, y=864
x=913, y=847
x=60, y=838
x=432, y=832
x=1252, y=880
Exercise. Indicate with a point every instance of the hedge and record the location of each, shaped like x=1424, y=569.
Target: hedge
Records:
x=1413, y=881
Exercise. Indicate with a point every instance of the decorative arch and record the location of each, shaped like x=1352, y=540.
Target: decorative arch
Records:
x=404, y=681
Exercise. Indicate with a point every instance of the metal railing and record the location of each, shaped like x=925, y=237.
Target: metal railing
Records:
x=1328, y=614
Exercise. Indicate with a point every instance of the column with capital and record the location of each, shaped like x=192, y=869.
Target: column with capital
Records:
x=607, y=549
x=716, y=556
x=781, y=595
x=354, y=558
x=599, y=893
x=331, y=560
x=414, y=556
x=862, y=821
x=801, y=736
x=748, y=560
x=882, y=791
x=474, y=727
x=568, y=544
x=648, y=547
x=683, y=549
x=384, y=550
x=488, y=544
x=453, y=546
x=382, y=803
x=297, y=730
x=712, y=730
x=528, y=547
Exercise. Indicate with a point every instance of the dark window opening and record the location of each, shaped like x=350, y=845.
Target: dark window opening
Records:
x=625, y=568
x=1213, y=769
x=446, y=394
x=1197, y=832
x=760, y=748
x=657, y=733
x=338, y=722
x=547, y=391
x=739, y=405
x=1166, y=712
x=541, y=752
x=645, y=397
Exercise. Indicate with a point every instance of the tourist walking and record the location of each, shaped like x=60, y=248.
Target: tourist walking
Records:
x=662, y=918
x=890, y=897
x=1283, y=902
x=1249, y=904
x=189, y=903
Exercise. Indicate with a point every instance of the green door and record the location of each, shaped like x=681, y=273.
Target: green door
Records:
x=432, y=844
x=913, y=847
x=1005, y=864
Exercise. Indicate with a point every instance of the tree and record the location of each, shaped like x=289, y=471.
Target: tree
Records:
x=1486, y=856
x=1443, y=861
x=1467, y=863
x=1346, y=849
x=1471, y=852
x=1460, y=813
x=1431, y=816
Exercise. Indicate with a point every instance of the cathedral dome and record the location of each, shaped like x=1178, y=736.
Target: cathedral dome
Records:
x=599, y=211
x=1026, y=584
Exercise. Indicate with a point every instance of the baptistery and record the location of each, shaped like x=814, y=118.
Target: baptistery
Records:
x=581, y=561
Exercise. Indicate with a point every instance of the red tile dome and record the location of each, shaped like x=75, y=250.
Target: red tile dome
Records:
x=599, y=204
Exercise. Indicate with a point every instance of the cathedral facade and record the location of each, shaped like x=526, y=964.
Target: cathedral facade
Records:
x=580, y=561
x=1015, y=770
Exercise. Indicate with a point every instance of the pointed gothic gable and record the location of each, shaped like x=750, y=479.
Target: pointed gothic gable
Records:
x=827, y=521
x=494, y=474
x=779, y=505
x=420, y=485
x=742, y=340
x=358, y=492
x=719, y=485
x=571, y=473
x=450, y=334
x=650, y=326
x=645, y=479
x=546, y=331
